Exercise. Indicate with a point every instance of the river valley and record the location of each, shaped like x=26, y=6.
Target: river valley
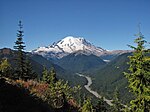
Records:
x=87, y=87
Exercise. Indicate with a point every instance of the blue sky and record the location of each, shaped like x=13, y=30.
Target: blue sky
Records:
x=110, y=24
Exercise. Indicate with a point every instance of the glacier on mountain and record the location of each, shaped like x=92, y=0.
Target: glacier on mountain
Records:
x=66, y=46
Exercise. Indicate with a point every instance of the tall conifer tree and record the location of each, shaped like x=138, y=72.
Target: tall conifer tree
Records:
x=139, y=76
x=53, y=75
x=30, y=74
x=19, y=46
x=45, y=75
x=49, y=76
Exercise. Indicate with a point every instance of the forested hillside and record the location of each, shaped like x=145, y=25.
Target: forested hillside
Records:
x=80, y=62
x=111, y=76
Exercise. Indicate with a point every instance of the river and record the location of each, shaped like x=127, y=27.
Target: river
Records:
x=87, y=87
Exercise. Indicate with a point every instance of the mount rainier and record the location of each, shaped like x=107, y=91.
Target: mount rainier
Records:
x=77, y=45
x=67, y=46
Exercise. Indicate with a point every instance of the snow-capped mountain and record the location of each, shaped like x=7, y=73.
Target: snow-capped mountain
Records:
x=66, y=46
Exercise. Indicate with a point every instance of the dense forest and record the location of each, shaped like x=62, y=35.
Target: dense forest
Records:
x=22, y=89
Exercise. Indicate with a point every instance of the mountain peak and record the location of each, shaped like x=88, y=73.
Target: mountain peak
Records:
x=66, y=46
x=72, y=37
x=74, y=40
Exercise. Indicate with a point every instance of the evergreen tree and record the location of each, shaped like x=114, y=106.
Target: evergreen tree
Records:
x=53, y=78
x=30, y=74
x=139, y=76
x=101, y=107
x=19, y=46
x=57, y=94
x=45, y=75
x=87, y=106
x=49, y=76
x=79, y=97
x=5, y=68
x=117, y=106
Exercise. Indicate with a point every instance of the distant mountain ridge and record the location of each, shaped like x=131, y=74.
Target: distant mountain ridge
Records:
x=37, y=61
x=80, y=62
x=76, y=45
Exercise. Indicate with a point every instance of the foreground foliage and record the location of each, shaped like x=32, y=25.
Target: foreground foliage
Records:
x=56, y=96
x=5, y=68
x=87, y=106
x=139, y=76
